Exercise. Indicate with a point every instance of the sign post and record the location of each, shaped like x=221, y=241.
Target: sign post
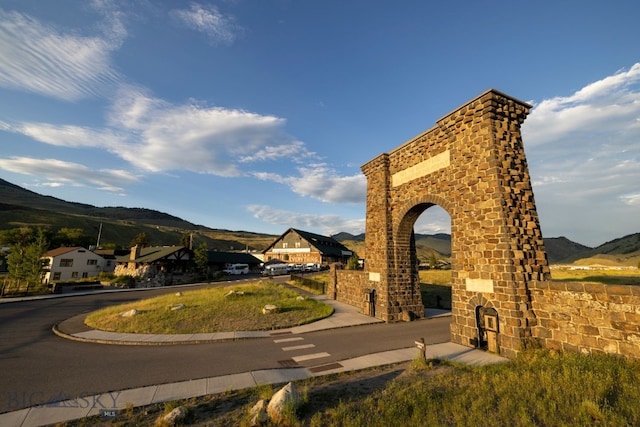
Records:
x=422, y=349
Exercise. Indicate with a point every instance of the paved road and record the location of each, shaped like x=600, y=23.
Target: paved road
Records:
x=38, y=366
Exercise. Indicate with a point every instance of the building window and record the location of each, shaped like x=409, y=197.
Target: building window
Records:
x=56, y=275
x=285, y=245
x=297, y=244
x=92, y=262
x=66, y=262
x=85, y=275
x=109, y=263
x=74, y=275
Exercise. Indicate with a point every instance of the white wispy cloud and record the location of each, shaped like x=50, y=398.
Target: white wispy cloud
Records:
x=631, y=199
x=322, y=182
x=330, y=224
x=296, y=151
x=39, y=58
x=192, y=137
x=54, y=173
x=65, y=135
x=583, y=152
x=157, y=136
x=432, y=221
x=608, y=106
x=208, y=19
x=113, y=26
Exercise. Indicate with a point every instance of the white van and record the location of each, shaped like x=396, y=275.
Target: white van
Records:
x=234, y=269
x=276, y=270
x=312, y=266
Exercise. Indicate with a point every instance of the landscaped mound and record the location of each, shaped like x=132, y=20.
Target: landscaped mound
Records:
x=225, y=309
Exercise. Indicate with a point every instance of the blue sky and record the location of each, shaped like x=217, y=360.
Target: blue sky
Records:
x=256, y=115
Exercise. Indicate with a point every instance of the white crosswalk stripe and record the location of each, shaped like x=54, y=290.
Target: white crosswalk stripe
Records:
x=293, y=348
x=288, y=340
x=310, y=356
x=298, y=347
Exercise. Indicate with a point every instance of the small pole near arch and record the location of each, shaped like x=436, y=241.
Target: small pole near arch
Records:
x=422, y=349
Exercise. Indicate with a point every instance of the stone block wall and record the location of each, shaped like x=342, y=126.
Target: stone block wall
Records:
x=587, y=317
x=347, y=286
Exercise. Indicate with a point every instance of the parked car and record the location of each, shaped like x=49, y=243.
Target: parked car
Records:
x=235, y=269
x=311, y=266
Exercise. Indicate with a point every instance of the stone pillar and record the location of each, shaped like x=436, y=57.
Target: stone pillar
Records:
x=496, y=238
x=378, y=242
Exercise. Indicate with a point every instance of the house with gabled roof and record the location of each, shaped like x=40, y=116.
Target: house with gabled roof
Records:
x=67, y=264
x=154, y=262
x=110, y=256
x=302, y=247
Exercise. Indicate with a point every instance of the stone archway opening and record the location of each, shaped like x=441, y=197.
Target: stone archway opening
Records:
x=429, y=260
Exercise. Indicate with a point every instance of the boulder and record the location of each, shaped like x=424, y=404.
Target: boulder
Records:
x=233, y=293
x=176, y=416
x=269, y=308
x=285, y=398
x=129, y=313
x=177, y=307
x=258, y=414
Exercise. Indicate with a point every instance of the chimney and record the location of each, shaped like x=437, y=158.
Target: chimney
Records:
x=135, y=253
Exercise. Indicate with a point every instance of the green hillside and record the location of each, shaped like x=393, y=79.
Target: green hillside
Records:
x=559, y=249
x=622, y=251
x=24, y=208
x=118, y=225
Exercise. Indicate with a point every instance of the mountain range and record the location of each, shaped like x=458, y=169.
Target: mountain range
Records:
x=118, y=226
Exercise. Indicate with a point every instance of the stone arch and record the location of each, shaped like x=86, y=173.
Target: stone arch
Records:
x=480, y=300
x=472, y=163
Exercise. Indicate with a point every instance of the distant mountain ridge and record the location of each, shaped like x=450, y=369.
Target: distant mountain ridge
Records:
x=13, y=195
x=560, y=250
x=21, y=207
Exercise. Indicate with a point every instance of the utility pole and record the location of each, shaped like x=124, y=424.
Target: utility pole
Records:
x=99, y=234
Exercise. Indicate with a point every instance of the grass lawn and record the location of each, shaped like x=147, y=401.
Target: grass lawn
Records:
x=540, y=388
x=212, y=310
x=608, y=276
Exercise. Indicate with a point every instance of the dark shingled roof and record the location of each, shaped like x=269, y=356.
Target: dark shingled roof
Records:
x=231, y=258
x=61, y=251
x=326, y=245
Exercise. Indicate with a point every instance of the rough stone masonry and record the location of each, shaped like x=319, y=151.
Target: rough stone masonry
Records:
x=472, y=163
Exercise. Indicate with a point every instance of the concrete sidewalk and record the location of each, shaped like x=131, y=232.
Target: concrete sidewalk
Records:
x=107, y=404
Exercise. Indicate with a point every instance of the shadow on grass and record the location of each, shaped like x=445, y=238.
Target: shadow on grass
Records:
x=435, y=296
x=341, y=389
x=290, y=309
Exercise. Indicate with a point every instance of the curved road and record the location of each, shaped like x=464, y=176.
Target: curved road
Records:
x=40, y=367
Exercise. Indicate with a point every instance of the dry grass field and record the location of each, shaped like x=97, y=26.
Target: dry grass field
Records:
x=608, y=276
